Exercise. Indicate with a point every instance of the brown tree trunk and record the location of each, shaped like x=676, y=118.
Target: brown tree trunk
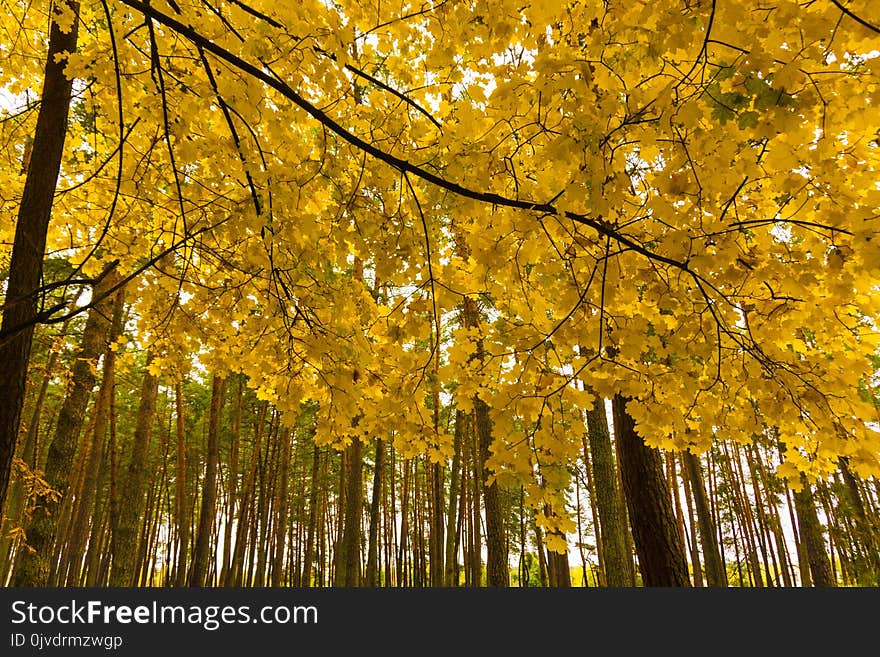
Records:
x=658, y=544
x=29, y=244
x=609, y=506
x=132, y=488
x=348, y=557
x=281, y=509
x=181, y=501
x=716, y=573
x=372, y=573
x=810, y=531
x=315, y=504
x=202, y=551
x=450, y=549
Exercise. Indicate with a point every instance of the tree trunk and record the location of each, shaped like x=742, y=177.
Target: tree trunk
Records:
x=658, y=544
x=315, y=504
x=609, y=506
x=716, y=573
x=29, y=245
x=132, y=488
x=372, y=574
x=348, y=557
x=181, y=502
x=202, y=550
x=450, y=549
x=281, y=509
x=810, y=531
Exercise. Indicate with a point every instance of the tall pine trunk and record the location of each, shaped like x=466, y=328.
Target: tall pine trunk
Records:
x=124, y=541
x=608, y=503
x=202, y=550
x=658, y=543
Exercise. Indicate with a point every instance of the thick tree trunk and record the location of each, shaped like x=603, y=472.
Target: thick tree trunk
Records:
x=202, y=550
x=35, y=564
x=29, y=244
x=132, y=488
x=658, y=544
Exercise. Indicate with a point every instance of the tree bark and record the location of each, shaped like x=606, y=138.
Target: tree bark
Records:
x=372, y=574
x=209, y=488
x=810, y=531
x=181, y=501
x=29, y=244
x=612, y=526
x=658, y=544
x=131, y=491
x=716, y=573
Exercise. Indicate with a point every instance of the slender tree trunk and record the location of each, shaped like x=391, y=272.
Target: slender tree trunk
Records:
x=661, y=554
x=810, y=531
x=315, y=504
x=450, y=557
x=124, y=543
x=867, y=533
x=281, y=508
x=716, y=573
x=692, y=532
x=372, y=574
x=209, y=488
x=608, y=502
x=232, y=483
x=29, y=245
x=181, y=503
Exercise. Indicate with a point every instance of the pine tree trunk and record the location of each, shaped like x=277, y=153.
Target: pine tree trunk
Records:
x=348, y=555
x=202, y=550
x=28, y=249
x=450, y=549
x=232, y=483
x=315, y=504
x=608, y=503
x=716, y=573
x=181, y=502
x=658, y=544
x=281, y=509
x=372, y=574
x=810, y=531
x=132, y=488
